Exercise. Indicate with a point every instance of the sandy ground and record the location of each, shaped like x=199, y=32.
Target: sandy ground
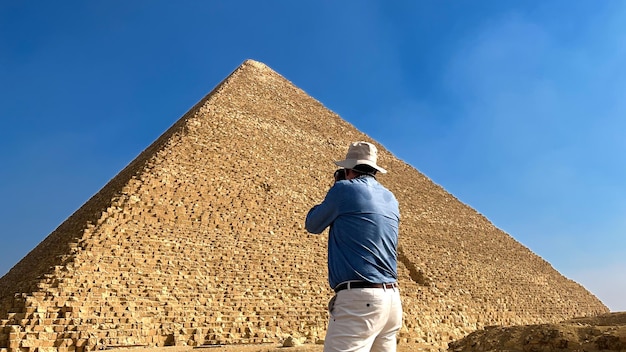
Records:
x=257, y=348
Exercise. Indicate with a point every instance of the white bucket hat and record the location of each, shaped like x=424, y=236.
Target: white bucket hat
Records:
x=361, y=153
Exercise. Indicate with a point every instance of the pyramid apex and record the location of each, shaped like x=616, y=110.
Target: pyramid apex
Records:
x=256, y=64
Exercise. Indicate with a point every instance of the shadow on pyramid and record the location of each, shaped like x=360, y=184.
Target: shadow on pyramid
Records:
x=200, y=241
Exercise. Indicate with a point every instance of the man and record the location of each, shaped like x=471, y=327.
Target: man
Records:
x=363, y=216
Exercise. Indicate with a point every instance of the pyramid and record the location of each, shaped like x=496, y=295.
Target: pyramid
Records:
x=200, y=241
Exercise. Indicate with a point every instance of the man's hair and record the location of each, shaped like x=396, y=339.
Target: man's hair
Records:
x=365, y=169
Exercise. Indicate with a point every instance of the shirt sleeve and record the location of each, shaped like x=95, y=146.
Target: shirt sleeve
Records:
x=322, y=215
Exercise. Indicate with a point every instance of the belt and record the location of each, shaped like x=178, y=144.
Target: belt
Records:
x=363, y=284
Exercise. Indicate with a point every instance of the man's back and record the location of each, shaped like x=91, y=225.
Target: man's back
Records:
x=363, y=217
x=366, y=311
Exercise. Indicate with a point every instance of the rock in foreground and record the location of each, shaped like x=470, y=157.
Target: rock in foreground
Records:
x=602, y=333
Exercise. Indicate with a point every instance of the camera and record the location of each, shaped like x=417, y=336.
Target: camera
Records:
x=340, y=174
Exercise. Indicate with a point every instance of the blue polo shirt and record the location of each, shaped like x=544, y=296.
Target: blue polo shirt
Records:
x=362, y=243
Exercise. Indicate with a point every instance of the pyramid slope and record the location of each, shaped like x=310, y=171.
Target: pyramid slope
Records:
x=200, y=240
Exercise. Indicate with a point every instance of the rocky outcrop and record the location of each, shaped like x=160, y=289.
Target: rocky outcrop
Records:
x=602, y=333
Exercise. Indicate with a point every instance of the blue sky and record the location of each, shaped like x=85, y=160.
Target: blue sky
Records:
x=515, y=107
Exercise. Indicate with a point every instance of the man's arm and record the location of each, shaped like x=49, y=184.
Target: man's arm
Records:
x=322, y=215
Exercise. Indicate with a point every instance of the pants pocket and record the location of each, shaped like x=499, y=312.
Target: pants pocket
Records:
x=331, y=304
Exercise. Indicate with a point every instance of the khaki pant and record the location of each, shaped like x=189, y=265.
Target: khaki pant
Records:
x=364, y=319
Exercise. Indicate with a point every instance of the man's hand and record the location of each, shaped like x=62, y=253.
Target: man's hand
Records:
x=340, y=174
